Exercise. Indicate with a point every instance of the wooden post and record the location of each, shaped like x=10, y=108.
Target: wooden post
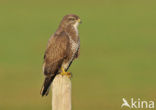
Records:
x=61, y=93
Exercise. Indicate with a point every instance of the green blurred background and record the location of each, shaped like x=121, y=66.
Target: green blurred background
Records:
x=118, y=52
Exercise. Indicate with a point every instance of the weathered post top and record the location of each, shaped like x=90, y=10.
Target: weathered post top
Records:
x=61, y=93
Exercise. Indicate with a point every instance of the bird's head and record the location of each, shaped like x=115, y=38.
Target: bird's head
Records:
x=70, y=20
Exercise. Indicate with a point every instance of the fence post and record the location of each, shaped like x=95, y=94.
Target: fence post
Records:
x=61, y=93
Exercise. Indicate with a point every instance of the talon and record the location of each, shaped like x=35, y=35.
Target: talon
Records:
x=68, y=74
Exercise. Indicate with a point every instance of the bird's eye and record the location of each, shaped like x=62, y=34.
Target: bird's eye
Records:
x=71, y=19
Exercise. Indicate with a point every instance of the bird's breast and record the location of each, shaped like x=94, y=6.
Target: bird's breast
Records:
x=74, y=45
x=74, y=48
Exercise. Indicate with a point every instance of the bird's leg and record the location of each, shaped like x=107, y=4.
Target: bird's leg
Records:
x=65, y=73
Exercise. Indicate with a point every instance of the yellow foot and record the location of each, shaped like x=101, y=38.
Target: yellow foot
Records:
x=65, y=73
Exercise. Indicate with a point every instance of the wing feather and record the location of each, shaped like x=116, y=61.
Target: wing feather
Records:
x=55, y=53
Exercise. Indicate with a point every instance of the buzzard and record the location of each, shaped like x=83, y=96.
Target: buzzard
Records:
x=63, y=47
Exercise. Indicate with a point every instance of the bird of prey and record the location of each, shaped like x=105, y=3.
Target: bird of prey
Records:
x=63, y=47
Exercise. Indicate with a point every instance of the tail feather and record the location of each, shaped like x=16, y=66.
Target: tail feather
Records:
x=46, y=85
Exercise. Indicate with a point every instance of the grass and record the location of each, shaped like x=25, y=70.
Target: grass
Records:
x=117, y=52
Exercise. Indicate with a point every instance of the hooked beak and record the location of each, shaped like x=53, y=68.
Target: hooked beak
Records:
x=79, y=21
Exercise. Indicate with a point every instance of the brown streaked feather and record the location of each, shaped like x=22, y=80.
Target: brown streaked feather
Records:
x=55, y=53
x=57, y=50
x=46, y=85
x=77, y=53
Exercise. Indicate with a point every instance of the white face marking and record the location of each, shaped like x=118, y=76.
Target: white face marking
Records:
x=76, y=24
x=76, y=27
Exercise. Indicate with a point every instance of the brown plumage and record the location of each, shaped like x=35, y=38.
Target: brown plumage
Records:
x=63, y=47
